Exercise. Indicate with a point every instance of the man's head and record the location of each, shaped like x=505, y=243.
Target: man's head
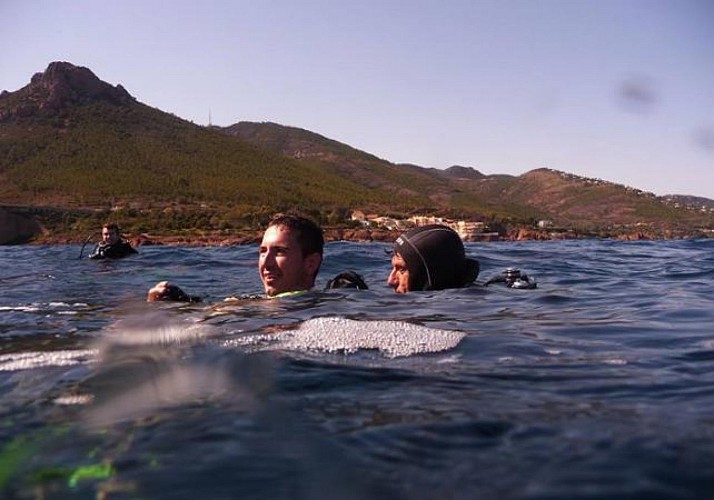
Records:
x=110, y=234
x=430, y=258
x=290, y=254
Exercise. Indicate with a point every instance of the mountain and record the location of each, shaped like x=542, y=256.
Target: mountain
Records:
x=88, y=151
x=61, y=85
x=565, y=199
x=69, y=139
x=422, y=187
x=459, y=172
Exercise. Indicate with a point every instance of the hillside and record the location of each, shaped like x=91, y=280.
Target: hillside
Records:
x=431, y=190
x=425, y=188
x=69, y=139
x=567, y=200
x=82, y=151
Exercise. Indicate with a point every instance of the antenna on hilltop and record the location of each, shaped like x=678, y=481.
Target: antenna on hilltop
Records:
x=209, y=117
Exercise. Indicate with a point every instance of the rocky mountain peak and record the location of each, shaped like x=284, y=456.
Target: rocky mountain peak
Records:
x=60, y=85
x=458, y=171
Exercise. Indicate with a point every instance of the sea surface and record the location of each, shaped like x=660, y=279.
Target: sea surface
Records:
x=597, y=384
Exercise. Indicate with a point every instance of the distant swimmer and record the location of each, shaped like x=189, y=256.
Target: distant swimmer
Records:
x=112, y=245
x=289, y=258
x=430, y=258
x=514, y=278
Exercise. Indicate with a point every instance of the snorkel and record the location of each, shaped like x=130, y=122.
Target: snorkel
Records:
x=89, y=238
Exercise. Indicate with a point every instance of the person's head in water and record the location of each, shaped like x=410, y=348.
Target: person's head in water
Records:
x=430, y=258
x=290, y=254
x=110, y=234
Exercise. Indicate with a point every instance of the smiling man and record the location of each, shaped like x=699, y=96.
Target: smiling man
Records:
x=289, y=259
x=290, y=255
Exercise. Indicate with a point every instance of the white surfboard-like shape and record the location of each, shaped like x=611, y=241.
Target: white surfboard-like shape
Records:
x=341, y=335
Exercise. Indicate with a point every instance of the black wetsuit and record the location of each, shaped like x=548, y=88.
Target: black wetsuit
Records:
x=347, y=279
x=514, y=278
x=115, y=251
x=436, y=258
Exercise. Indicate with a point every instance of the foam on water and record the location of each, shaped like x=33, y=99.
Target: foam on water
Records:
x=341, y=335
x=19, y=308
x=56, y=307
x=74, y=399
x=32, y=360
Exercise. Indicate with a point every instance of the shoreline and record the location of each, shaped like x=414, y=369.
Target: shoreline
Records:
x=250, y=237
x=216, y=240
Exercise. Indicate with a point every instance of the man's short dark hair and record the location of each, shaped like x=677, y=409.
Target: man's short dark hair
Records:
x=309, y=234
x=111, y=226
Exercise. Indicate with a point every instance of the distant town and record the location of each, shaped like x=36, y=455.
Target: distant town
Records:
x=472, y=231
x=468, y=230
x=693, y=203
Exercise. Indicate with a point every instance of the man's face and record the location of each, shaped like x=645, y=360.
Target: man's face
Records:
x=110, y=236
x=281, y=264
x=399, y=276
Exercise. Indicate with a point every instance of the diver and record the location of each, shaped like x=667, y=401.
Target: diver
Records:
x=289, y=258
x=112, y=245
x=433, y=258
x=514, y=278
x=430, y=257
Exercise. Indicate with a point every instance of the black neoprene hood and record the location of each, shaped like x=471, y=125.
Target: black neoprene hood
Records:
x=435, y=258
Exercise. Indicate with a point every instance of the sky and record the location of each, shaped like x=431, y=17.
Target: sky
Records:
x=619, y=90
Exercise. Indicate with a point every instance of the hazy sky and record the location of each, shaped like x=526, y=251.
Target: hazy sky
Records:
x=620, y=90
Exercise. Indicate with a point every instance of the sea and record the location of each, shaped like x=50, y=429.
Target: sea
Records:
x=599, y=383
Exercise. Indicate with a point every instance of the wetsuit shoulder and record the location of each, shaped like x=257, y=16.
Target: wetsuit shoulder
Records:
x=115, y=251
x=347, y=279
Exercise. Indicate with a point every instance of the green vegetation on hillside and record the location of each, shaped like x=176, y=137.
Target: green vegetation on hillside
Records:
x=103, y=154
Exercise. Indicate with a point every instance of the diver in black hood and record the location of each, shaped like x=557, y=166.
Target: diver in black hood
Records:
x=430, y=258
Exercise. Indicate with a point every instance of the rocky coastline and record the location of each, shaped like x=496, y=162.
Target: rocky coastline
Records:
x=216, y=239
x=21, y=228
x=365, y=235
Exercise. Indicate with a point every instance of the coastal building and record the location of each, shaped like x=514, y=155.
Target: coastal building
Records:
x=425, y=220
x=389, y=223
x=358, y=215
x=468, y=230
